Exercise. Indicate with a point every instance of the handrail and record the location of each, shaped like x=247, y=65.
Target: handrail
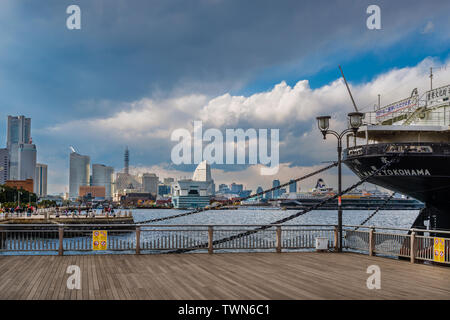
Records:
x=55, y=226
x=166, y=225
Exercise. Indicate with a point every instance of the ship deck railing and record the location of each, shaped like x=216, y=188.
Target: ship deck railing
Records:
x=54, y=239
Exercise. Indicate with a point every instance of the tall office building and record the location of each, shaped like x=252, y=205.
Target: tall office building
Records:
x=19, y=130
x=150, y=183
x=276, y=193
x=236, y=188
x=126, y=160
x=293, y=186
x=22, y=151
x=40, y=180
x=103, y=176
x=259, y=190
x=79, y=173
x=4, y=165
x=27, y=161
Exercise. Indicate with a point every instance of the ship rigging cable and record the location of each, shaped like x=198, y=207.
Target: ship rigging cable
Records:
x=376, y=211
x=243, y=199
x=295, y=215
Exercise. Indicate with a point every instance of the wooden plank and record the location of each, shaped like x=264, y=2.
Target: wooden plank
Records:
x=220, y=276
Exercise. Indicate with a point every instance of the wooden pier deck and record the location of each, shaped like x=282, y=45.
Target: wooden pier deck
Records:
x=220, y=276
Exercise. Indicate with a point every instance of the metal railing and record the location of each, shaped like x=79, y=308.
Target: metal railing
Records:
x=416, y=244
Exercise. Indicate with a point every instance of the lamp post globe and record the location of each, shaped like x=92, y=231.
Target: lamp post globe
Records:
x=355, y=120
x=323, y=123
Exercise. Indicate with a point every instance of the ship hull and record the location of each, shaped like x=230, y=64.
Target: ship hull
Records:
x=425, y=177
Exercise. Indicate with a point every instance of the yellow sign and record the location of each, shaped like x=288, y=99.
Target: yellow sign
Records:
x=99, y=239
x=439, y=250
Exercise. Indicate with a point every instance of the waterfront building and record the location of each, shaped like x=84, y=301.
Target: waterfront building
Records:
x=259, y=190
x=102, y=175
x=168, y=181
x=195, y=192
x=27, y=161
x=40, y=180
x=19, y=130
x=126, y=160
x=78, y=174
x=22, y=152
x=92, y=192
x=21, y=184
x=245, y=193
x=164, y=190
x=136, y=197
x=223, y=188
x=191, y=194
x=127, y=181
x=150, y=183
x=236, y=188
x=276, y=193
x=203, y=173
x=4, y=165
x=293, y=186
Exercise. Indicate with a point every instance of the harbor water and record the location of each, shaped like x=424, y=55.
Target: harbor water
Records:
x=385, y=218
x=241, y=217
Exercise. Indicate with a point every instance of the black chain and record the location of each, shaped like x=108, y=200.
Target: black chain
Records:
x=228, y=202
x=293, y=216
x=376, y=211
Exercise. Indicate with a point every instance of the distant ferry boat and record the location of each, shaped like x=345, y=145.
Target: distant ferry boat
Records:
x=355, y=200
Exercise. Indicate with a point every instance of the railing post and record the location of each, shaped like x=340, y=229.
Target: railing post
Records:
x=138, y=240
x=371, y=242
x=61, y=240
x=413, y=247
x=278, y=242
x=210, y=240
x=336, y=238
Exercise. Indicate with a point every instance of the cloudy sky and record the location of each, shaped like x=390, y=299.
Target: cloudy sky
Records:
x=138, y=70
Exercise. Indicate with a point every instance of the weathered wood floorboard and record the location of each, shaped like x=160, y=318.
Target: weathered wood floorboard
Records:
x=220, y=276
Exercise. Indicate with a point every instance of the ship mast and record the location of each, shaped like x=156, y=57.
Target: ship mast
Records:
x=348, y=89
x=431, y=78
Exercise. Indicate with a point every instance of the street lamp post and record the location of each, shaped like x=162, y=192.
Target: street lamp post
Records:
x=323, y=122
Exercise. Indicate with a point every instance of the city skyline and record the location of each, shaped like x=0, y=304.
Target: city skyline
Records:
x=137, y=97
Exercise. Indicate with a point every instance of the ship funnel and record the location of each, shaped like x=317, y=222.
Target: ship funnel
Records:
x=320, y=184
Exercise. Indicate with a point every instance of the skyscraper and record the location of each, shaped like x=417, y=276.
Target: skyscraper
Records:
x=4, y=165
x=79, y=173
x=126, y=160
x=276, y=193
x=22, y=151
x=293, y=186
x=19, y=130
x=150, y=183
x=27, y=161
x=259, y=190
x=103, y=176
x=40, y=180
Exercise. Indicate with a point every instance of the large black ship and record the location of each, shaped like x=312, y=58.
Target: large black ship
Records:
x=415, y=133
